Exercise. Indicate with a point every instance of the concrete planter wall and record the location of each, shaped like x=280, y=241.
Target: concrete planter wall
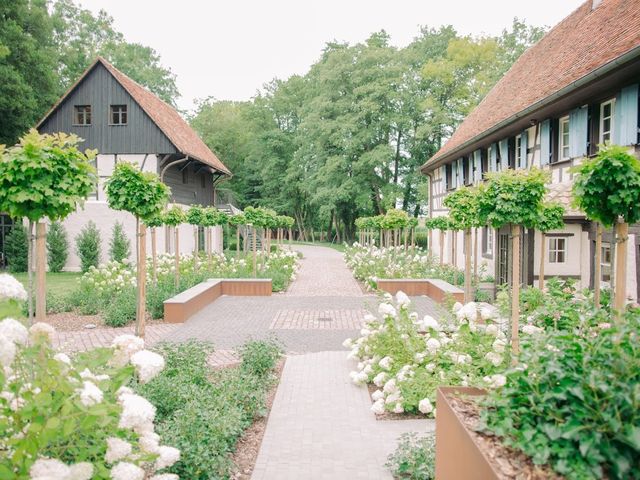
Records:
x=179, y=308
x=457, y=454
x=489, y=288
x=434, y=288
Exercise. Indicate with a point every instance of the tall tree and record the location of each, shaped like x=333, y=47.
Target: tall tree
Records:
x=28, y=83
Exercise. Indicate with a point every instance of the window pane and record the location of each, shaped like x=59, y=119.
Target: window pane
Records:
x=606, y=110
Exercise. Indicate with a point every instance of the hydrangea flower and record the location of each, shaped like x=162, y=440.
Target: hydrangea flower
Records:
x=425, y=406
x=402, y=299
x=42, y=331
x=531, y=330
x=124, y=347
x=127, y=471
x=148, y=364
x=117, y=449
x=167, y=456
x=136, y=411
x=385, y=363
x=387, y=310
x=14, y=331
x=11, y=289
x=7, y=351
x=90, y=394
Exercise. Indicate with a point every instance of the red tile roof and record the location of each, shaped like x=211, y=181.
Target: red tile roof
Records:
x=168, y=120
x=581, y=43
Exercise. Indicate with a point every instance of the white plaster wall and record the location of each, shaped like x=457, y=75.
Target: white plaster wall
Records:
x=573, y=259
x=632, y=287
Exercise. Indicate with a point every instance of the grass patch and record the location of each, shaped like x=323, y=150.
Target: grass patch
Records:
x=61, y=283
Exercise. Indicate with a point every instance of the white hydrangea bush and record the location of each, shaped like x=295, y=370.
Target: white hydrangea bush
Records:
x=64, y=418
x=369, y=263
x=407, y=357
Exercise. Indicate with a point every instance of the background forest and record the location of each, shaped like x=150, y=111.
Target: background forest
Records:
x=342, y=141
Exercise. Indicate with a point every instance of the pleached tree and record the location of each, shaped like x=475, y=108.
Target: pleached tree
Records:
x=463, y=212
x=154, y=223
x=515, y=198
x=196, y=217
x=144, y=196
x=174, y=217
x=607, y=189
x=43, y=177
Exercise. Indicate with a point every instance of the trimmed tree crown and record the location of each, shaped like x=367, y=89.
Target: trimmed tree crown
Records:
x=512, y=197
x=551, y=217
x=174, y=216
x=136, y=192
x=608, y=186
x=463, y=208
x=45, y=176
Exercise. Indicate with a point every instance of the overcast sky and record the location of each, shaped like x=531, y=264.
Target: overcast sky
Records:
x=229, y=49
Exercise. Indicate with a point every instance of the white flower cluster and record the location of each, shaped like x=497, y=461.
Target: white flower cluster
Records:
x=466, y=349
x=11, y=289
x=137, y=414
x=110, y=277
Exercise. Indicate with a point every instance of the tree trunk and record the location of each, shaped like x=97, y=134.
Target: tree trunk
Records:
x=622, y=231
x=597, y=270
x=41, y=269
x=441, y=247
x=238, y=241
x=543, y=253
x=613, y=268
x=154, y=256
x=142, y=278
x=176, y=233
x=290, y=237
x=467, y=266
x=30, y=271
x=430, y=241
x=255, y=264
x=196, y=240
x=413, y=239
x=209, y=244
x=475, y=255
x=515, y=292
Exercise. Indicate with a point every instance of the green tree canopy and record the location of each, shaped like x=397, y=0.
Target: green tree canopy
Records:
x=45, y=176
x=137, y=192
x=512, y=197
x=174, y=216
x=463, y=205
x=551, y=217
x=608, y=186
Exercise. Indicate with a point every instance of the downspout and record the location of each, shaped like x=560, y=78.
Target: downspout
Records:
x=171, y=164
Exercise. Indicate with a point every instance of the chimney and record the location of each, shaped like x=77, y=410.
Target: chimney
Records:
x=595, y=4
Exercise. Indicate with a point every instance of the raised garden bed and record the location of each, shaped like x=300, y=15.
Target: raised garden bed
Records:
x=179, y=308
x=462, y=452
x=434, y=288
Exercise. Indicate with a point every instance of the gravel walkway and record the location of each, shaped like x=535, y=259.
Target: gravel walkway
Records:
x=321, y=426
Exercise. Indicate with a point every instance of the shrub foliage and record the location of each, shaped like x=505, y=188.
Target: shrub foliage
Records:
x=88, y=245
x=57, y=247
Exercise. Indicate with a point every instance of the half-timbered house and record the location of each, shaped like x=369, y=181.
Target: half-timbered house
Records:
x=574, y=90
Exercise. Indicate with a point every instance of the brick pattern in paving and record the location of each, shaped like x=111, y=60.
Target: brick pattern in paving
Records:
x=82, y=340
x=346, y=319
x=321, y=426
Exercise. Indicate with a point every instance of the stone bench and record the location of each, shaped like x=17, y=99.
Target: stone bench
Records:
x=179, y=308
x=433, y=288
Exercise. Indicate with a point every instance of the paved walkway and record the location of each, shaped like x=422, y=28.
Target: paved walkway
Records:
x=87, y=339
x=321, y=426
x=321, y=308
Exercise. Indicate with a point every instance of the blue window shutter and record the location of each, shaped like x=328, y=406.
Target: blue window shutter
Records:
x=545, y=142
x=504, y=153
x=626, y=123
x=524, y=140
x=477, y=166
x=578, y=125
x=454, y=173
x=460, y=173
x=493, y=160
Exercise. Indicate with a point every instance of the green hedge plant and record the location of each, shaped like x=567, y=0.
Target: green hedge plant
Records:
x=57, y=247
x=88, y=246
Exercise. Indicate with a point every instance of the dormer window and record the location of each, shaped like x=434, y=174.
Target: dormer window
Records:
x=82, y=115
x=118, y=115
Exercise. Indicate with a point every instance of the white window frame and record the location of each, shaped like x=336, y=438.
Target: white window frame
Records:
x=489, y=242
x=611, y=116
x=555, y=250
x=518, y=151
x=564, y=130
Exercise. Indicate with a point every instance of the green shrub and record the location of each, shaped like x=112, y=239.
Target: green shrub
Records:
x=260, y=357
x=414, y=458
x=88, y=246
x=57, y=247
x=121, y=310
x=575, y=404
x=204, y=412
x=86, y=300
x=57, y=303
x=157, y=294
x=16, y=248
x=119, y=245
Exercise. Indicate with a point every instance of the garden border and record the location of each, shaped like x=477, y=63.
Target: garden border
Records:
x=179, y=308
x=433, y=288
x=454, y=441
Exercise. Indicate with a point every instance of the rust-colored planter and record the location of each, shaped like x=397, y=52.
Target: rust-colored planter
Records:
x=457, y=454
x=433, y=288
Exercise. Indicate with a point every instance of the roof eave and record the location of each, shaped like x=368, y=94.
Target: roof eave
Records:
x=436, y=161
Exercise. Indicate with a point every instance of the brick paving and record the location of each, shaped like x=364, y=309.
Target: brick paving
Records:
x=321, y=427
x=87, y=339
x=318, y=319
